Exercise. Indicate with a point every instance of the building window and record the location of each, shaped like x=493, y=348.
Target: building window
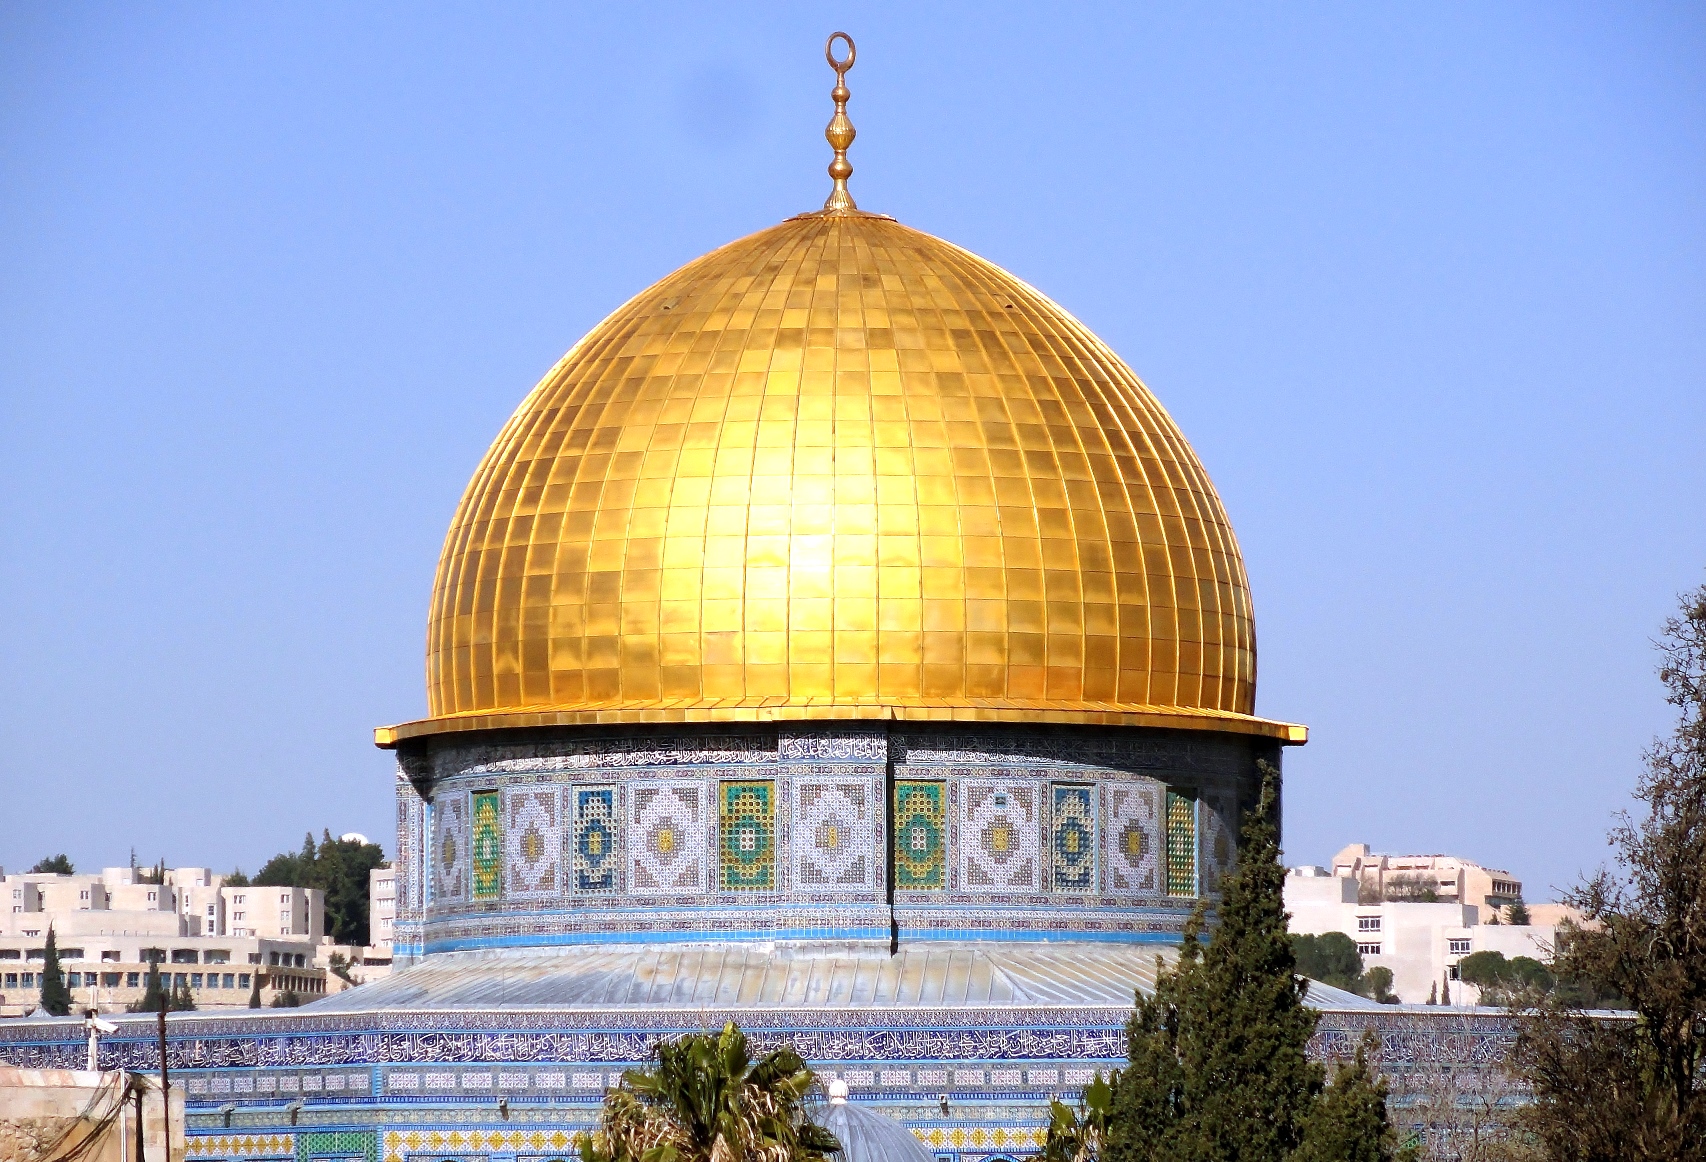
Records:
x=1459, y=947
x=242, y=980
x=151, y=898
x=195, y=980
x=132, y=980
x=1453, y=973
x=228, y=980
x=1369, y=949
x=29, y=979
x=76, y=980
x=11, y=980
x=1368, y=923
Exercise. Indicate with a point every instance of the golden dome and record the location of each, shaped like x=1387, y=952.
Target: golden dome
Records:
x=840, y=469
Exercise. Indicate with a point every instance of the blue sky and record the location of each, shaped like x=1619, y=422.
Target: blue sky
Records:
x=1423, y=284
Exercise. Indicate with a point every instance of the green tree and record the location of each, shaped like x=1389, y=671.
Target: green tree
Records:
x=255, y=992
x=1348, y=1123
x=154, y=996
x=235, y=879
x=1376, y=985
x=1330, y=957
x=54, y=864
x=1518, y=914
x=1079, y=1135
x=1637, y=1089
x=337, y=867
x=1484, y=970
x=1217, y=1064
x=182, y=1002
x=55, y=997
x=707, y=1100
x=286, y=1000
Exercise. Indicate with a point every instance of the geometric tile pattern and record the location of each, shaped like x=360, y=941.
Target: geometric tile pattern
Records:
x=666, y=838
x=920, y=847
x=746, y=828
x=1000, y=836
x=593, y=846
x=278, y=1145
x=487, y=845
x=339, y=1144
x=1131, y=821
x=450, y=846
x=1072, y=839
x=834, y=838
x=533, y=842
x=401, y=1144
x=1181, y=845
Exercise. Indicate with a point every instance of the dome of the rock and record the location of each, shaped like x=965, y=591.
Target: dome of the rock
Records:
x=841, y=469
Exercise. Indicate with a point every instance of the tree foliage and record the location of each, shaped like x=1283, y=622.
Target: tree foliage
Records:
x=1332, y=958
x=154, y=996
x=55, y=996
x=1348, y=1123
x=1217, y=1066
x=1634, y=1089
x=708, y=1101
x=54, y=864
x=337, y=867
x=1329, y=957
x=1079, y=1135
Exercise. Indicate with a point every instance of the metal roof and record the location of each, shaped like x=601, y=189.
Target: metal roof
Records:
x=779, y=976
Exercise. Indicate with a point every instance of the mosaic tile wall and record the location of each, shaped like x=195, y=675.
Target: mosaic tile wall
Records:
x=849, y=831
x=404, y=1087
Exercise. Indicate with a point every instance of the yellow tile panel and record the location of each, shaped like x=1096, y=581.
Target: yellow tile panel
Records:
x=846, y=469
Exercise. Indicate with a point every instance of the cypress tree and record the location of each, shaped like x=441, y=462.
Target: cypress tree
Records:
x=255, y=991
x=1217, y=1066
x=1348, y=1123
x=55, y=997
x=153, y=991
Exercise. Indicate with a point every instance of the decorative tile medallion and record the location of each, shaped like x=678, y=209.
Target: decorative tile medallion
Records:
x=488, y=845
x=834, y=840
x=920, y=851
x=667, y=837
x=533, y=842
x=1131, y=820
x=1072, y=839
x=1181, y=845
x=596, y=855
x=746, y=848
x=999, y=836
x=450, y=846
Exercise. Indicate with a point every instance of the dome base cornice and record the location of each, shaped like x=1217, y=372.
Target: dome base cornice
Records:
x=1051, y=711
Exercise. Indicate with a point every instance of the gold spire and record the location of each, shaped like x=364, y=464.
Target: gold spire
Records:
x=840, y=132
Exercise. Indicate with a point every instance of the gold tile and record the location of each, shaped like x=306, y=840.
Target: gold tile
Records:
x=845, y=471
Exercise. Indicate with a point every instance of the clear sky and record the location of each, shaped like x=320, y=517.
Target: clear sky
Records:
x=1424, y=284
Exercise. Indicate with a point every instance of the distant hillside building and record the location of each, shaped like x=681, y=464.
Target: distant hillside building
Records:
x=1415, y=878
x=1381, y=902
x=211, y=938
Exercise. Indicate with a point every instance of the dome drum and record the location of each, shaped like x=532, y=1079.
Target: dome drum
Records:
x=878, y=832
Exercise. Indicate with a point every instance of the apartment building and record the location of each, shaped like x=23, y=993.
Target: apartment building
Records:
x=1421, y=942
x=1446, y=878
x=213, y=939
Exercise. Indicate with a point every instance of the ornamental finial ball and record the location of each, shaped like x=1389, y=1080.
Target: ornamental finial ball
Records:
x=840, y=132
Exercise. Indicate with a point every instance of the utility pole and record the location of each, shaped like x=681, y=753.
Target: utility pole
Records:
x=136, y=1086
x=165, y=1087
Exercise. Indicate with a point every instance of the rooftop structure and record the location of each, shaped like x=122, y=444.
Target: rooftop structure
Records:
x=1426, y=878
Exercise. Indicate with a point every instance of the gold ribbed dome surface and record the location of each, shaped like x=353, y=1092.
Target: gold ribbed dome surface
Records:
x=840, y=469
